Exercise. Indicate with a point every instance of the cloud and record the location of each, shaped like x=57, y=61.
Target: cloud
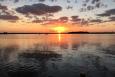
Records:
x=15, y=1
x=95, y=1
x=52, y=21
x=8, y=17
x=96, y=20
x=37, y=21
x=111, y=11
x=38, y=9
x=3, y=10
x=107, y=13
x=75, y=18
x=89, y=5
x=41, y=0
x=112, y=18
x=2, y=7
x=64, y=19
x=90, y=8
x=103, y=14
x=84, y=22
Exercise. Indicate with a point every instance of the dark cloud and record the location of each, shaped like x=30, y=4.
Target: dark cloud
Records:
x=103, y=14
x=95, y=1
x=84, y=22
x=90, y=8
x=15, y=1
x=98, y=5
x=112, y=18
x=96, y=20
x=88, y=5
x=44, y=20
x=111, y=11
x=69, y=7
x=8, y=17
x=41, y=0
x=4, y=10
x=86, y=1
x=75, y=18
x=2, y=7
x=38, y=21
x=38, y=9
x=64, y=19
x=53, y=0
x=107, y=13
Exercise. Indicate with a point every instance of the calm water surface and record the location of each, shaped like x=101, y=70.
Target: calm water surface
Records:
x=57, y=55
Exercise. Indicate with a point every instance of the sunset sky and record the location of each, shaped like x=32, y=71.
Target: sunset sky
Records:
x=51, y=15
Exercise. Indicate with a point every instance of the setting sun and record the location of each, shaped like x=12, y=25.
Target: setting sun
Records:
x=60, y=29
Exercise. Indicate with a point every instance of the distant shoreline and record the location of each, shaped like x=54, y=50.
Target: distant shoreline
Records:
x=64, y=33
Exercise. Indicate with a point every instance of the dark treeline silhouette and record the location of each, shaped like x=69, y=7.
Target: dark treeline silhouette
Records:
x=79, y=32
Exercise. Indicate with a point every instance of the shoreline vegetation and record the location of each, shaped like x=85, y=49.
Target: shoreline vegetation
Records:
x=59, y=33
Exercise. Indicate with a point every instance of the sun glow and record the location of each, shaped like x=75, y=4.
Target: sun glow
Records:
x=60, y=29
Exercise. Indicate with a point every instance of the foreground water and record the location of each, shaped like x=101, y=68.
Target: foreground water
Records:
x=57, y=55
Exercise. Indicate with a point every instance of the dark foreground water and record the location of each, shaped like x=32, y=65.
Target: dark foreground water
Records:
x=57, y=55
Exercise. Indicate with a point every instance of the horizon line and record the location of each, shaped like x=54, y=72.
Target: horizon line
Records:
x=80, y=32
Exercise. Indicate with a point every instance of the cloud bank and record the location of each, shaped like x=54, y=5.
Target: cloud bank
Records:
x=38, y=9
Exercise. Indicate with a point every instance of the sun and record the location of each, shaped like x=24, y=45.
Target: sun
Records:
x=60, y=29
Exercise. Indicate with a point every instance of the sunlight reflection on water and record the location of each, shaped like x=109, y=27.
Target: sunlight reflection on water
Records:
x=57, y=55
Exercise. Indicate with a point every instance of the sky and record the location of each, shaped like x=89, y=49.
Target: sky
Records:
x=51, y=15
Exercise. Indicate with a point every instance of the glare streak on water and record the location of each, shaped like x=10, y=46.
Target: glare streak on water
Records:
x=57, y=55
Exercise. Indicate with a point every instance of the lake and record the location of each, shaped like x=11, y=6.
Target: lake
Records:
x=57, y=55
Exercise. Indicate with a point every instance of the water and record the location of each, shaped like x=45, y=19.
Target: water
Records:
x=57, y=55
